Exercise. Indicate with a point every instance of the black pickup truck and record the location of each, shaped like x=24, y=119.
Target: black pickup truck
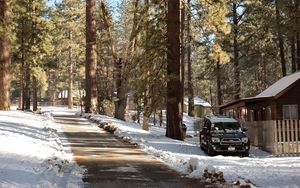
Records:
x=223, y=135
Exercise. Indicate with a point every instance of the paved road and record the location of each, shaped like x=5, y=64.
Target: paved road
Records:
x=112, y=163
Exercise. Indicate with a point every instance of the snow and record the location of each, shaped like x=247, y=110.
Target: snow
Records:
x=280, y=85
x=32, y=155
x=215, y=119
x=260, y=169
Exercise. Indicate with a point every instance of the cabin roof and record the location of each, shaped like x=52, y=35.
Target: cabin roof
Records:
x=274, y=91
x=280, y=86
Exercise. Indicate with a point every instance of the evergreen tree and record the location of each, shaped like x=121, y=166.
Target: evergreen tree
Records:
x=174, y=113
x=91, y=98
x=32, y=45
x=5, y=53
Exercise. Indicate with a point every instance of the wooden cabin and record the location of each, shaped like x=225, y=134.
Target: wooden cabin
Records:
x=280, y=101
x=272, y=117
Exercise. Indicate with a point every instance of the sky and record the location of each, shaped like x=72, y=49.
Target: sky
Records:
x=114, y=3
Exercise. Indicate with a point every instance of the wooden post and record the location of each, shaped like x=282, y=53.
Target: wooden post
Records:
x=292, y=136
x=297, y=136
x=280, y=135
x=276, y=138
x=284, y=135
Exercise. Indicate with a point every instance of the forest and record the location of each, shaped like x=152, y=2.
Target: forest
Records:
x=155, y=52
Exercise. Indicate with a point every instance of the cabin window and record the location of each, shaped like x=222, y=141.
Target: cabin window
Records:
x=290, y=111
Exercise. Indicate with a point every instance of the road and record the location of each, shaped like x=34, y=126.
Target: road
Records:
x=112, y=163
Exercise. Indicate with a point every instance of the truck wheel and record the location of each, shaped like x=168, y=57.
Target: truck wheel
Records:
x=210, y=152
x=245, y=154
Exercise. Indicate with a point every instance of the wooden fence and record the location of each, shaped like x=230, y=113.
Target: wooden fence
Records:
x=280, y=137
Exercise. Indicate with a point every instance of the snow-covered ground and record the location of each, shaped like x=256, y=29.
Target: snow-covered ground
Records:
x=32, y=155
x=261, y=168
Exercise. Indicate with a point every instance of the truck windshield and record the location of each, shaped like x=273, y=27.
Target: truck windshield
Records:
x=226, y=127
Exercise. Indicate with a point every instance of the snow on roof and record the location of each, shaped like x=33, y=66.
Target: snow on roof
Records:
x=198, y=101
x=215, y=119
x=280, y=85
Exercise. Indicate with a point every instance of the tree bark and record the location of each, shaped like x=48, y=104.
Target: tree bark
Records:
x=174, y=118
x=297, y=35
x=182, y=54
x=5, y=62
x=70, y=81
x=34, y=94
x=91, y=102
x=280, y=40
x=219, y=91
x=121, y=102
x=237, y=79
x=27, y=92
x=147, y=113
x=21, y=96
x=189, y=62
x=293, y=51
x=5, y=58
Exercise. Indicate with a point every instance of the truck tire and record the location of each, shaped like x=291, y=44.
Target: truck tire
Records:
x=210, y=152
x=245, y=154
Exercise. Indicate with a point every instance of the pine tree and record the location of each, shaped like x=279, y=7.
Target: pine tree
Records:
x=91, y=101
x=33, y=44
x=5, y=53
x=174, y=115
x=189, y=62
x=69, y=20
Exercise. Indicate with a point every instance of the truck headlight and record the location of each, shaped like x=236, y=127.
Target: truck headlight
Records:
x=245, y=140
x=215, y=139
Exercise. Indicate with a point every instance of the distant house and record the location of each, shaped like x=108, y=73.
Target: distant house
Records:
x=201, y=107
x=272, y=117
x=278, y=102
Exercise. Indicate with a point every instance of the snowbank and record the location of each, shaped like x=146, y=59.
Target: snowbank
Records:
x=32, y=155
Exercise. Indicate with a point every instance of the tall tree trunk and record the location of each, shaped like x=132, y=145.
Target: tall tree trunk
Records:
x=27, y=81
x=280, y=40
x=174, y=118
x=237, y=79
x=21, y=102
x=121, y=102
x=182, y=54
x=5, y=57
x=297, y=35
x=146, y=114
x=160, y=115
x=293, y=51
x=189, y=63
x=5, y=61
x=70, y=81
x=21, y=96
x=292, y=34
x=219, y=91
x=91, y=102
x=298, y=50
x=34, y=93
